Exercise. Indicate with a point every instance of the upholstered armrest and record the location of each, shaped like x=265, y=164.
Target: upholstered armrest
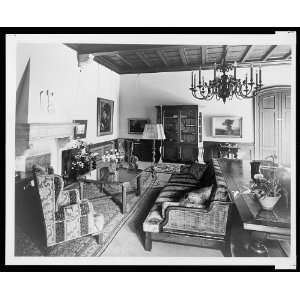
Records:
x=212, y=219
x=73, y=211
x=167, y=204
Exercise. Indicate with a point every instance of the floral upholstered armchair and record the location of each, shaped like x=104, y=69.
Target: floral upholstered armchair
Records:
x=65, y=215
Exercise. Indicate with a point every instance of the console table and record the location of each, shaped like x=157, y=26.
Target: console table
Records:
x=261, y=224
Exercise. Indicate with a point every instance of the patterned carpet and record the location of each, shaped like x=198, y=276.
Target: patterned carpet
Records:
x=29, y=235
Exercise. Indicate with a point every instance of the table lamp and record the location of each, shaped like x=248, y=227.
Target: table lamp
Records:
x=154, y=132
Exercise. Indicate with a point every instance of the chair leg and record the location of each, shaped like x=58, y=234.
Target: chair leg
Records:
x=148, y=241
x=226, y=250
x=99, y=238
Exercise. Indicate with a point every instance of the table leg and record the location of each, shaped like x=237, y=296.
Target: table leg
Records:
x=124, y=198
x=138, y=185
x=81, y=189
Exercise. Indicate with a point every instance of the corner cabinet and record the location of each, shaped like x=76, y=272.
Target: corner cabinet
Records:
x=183, y=129
x=272, y=124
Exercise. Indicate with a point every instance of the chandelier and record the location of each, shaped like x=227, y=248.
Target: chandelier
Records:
x=226, y=86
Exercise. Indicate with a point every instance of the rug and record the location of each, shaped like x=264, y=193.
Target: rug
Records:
x=28, y=235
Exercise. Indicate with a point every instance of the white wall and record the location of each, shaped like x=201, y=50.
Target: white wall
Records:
x=140, y=93
x=54, y=67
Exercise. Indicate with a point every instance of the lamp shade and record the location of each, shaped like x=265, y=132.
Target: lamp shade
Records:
x=154, y=132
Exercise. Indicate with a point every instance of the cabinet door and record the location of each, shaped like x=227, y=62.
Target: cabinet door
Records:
x=171, y=151
x=171, y=124
x=189, y=153
x=189, y=126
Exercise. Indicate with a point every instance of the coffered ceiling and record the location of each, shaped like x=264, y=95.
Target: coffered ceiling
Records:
x=135, y=59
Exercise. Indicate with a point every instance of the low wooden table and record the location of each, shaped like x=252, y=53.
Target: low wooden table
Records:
x=111, y=182
x=263, y=225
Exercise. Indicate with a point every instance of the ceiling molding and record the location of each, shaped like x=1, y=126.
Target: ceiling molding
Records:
x=103, y=61
x=124, y=60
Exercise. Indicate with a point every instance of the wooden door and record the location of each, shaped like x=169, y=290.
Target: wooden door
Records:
x=285, y=144
x=272, y=124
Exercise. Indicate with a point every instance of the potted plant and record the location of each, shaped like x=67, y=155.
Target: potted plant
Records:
x=267, y=191
x=82, y=159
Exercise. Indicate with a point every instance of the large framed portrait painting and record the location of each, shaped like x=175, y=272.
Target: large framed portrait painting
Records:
x=227, y=126
x=105, y=113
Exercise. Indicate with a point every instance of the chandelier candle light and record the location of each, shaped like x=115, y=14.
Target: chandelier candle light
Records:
x=226, y=86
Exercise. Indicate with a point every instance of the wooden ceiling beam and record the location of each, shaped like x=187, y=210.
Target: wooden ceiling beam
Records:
x=161, y=56
x=246, y=54
x=205, y=67
x=203, y=55
x=288, y=55
x=142, y=57
x=225, y=51
x=124, y=60
x=183, y=56
x=268, y=53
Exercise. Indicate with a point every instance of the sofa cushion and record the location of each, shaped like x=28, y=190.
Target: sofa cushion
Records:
x=195, y=169
x=198, y=196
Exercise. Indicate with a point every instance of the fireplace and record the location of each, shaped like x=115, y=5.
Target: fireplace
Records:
x=41, y=143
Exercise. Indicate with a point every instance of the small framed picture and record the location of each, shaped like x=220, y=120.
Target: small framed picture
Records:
x=80, y=129
x=136, y=126
x=227, y=126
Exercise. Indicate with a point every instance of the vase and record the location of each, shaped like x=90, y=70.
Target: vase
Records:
x=268, y=202
x=113, y=167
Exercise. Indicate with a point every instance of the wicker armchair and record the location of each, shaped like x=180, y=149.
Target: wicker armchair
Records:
x=65, y=215
x=172, y=221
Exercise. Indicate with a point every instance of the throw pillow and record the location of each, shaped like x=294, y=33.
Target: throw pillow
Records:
x=198, y=196
x=197, y=170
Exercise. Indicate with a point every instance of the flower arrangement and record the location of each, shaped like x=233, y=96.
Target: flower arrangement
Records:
x=82, y=159
x=113, y=156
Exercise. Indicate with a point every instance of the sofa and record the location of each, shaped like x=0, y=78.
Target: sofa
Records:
x=175, y=219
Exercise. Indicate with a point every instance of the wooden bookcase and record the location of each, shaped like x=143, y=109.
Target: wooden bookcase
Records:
x=183, y=130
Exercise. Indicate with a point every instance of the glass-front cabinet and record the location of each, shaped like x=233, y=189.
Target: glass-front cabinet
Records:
x=182, y=130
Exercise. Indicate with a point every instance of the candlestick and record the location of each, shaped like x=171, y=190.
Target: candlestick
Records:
x=203, y=80
x=200, y=76
x=192, y=79
x=259, y=74
x=215, y=71
x=256, y=76
x=195, y=80
x=251, y=73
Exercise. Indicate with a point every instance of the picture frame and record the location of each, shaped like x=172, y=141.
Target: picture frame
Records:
x=137, y=125
x=80, y=129
x=227, y=126
x=105, y=114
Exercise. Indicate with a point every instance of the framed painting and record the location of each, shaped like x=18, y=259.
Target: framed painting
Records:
x=227, y=126
x=105, y=114
x=136, y=126
x=80, y=129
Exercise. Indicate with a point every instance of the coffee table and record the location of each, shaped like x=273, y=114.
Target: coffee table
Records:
x=261, y=224
x=123, y=180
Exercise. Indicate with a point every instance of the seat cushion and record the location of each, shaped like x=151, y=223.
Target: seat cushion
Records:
x=198, y=196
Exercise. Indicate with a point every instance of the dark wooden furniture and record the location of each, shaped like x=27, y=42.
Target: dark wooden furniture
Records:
x=112, y=184
x=140, y=148
x=261, y=224
x=228, y=150
x=272, y=123
x=183, y=130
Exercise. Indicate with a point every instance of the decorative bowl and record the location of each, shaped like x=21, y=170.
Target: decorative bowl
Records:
x=268, y=202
